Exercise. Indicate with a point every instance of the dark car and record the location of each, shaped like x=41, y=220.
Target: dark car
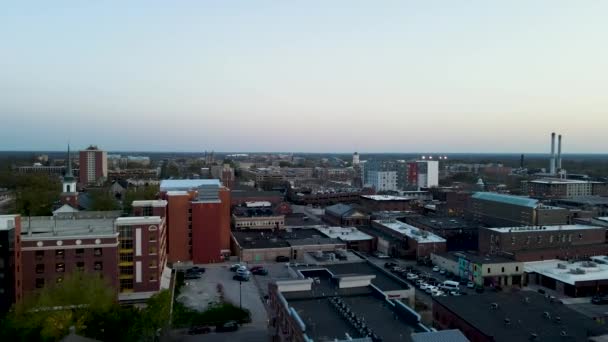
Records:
x=240, y=277
x=191, y=276
x=479, y=289
x=196, y=269
x=228, y=326
x=282, y=258
x=199, y=330
x=259, y=271
x=599, y=300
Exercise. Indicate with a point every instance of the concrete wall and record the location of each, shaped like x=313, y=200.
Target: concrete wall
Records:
x=448, y=264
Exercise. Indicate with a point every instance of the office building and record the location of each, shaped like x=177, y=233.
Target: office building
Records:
x=458, y=233
x=405, y=240
x=508, y=317
x=427, y=173
x=93, y=166
x=198, y=220
x=552, y=188
x=11, y=269
x=534, y=243
x=498, y=210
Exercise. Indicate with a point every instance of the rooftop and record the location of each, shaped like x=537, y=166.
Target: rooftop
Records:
x=266, y=239
x=507, y=199
x=7, y=221
x=570, y=273
x=453, y=335
x=476, y=258
x=134, y=220
x=150, y=203
x=187, y=184
x=48, y=226
x=585, y=200
x=344, y=234
x=387, y=198
x=560, y=181
x=515, y=316
x=258, y=204
x=440, y=222
x=410, y=231
x=543, y=228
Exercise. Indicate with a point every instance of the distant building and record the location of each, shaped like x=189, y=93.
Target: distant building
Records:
x=536, y=243
x=355, y=158
x=257, y=215
x=93, y=166
x=549, y=188
x=10, y=262
x=508, y=317
x=225, y=173
x=427, y=173
x=573, y=279
x=482, y=270
x=198, y=220
x=386, y=203
x=42, y=169
x=382, y=180
x=498, y=210
x=69, y=193
x=355, y=239
x=345, y=215
x=459, y=234
x=405, y=240
x=238, y=197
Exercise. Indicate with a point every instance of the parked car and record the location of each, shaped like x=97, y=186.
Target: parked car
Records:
x=430, y=289
x=424, y=286
x=442, y=271
x=437, y=293
x=253, y=268
x=411, y=276
x=599, y=300
x=380, y=255
x=471, y=285
x=192, y=276
x=243, y=271
x=389, y=264
x=282, y=258
x=436, y=269
x=418, y=282
x=479, y=289
x=199, y=330
x=195, y=269
x=228, y=326
x=240, y=277
x=454, y=293
x=235, y=267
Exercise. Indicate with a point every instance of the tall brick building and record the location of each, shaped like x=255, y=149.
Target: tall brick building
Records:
x=93, y=166
x=198, y=220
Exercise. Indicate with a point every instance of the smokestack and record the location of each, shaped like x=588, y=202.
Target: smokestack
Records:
x=552, y=160
x=559, y=152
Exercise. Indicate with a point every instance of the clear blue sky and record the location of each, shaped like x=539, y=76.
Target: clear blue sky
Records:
x=318, y=76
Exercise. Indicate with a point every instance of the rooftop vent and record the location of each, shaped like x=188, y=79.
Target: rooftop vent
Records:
x=561, y=266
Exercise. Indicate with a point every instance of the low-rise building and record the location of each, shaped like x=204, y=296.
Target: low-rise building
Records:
x=355, y=239
x=386, y=203
x=574, y=279
x=345, y=215
x=562, y=188
x=516, y=316
x=458, y=233
x=483, y=270
x=239, y=197
x=412, y=242
x=536, y=243
x=257, y=215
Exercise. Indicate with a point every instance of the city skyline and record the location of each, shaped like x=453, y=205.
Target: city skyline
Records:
x=304, y=77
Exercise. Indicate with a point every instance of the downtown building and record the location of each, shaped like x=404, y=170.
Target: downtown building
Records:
x=93, y=166
x=198, y=220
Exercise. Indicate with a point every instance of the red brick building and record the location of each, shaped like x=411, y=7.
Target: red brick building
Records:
x=408, y=241
x=198, y=220
x=93, y=166
x=238, y=197
x=10, y=261
x=52, y=248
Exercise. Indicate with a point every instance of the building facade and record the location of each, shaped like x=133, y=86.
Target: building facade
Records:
x=93, y=166
x=11, y=270
x=551, y=188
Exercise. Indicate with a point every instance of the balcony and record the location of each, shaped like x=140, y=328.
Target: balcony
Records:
x=125, y=276
x=126, y=251
x=125, y=263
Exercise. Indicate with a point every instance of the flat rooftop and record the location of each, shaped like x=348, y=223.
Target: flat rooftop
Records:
x=569, y=273
x=487, y=313
x=47, y=226
x=585, y=200
x=561, y=181
x=267, y=239
x=410, y=231
x=187, y=184
x=387, y=198
x=150, y=203
x=441, y=222
x=324, y=322
x=506, y=199
x=133, y=220
x=344, y=234
x=544, y=228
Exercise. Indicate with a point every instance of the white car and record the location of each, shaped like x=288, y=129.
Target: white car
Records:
x=437, y=293
x=411, y=276
x=436, y=269
x=430, y=289
x=442, y=271
x=470, y=285
x=424, y=286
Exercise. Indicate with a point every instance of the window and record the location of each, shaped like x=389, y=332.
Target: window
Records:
x=147, y=211
x=488, y=270
x=503, y=270
x=516, y=268
x=126, y=258
x=153, y=277
x=580, y=236
x=59, y=280
x=79, y=252
x=152, y=236
x=60, y=267
x=60, y=254
x=39, y=283
x=126, y=284
x=126, y=270
x=80, y=266
x=39, y=255
x=153, y=263
x=539, y=239
x=98, y=266
x=97, y=252
x=39, y=268
x=152, y=250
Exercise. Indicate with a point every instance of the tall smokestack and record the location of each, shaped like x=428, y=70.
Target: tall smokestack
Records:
x=559, y=152
x=552, y=160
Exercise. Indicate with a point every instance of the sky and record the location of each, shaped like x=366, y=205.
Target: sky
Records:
x=304, y=76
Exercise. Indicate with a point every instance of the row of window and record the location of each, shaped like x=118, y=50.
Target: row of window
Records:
x=60, y=253
x=60, y=267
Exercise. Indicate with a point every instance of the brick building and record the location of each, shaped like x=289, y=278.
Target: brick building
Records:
x=345, y=215
x=257, y=215
x=499, y=210
x=238, y=197
x=93, y=166
x=385, y=203
x=535, y=243
x=10, y=261
x=549, y=188
x=53, y=247
x=198, y=220
x=458, y=233
x=411, y=242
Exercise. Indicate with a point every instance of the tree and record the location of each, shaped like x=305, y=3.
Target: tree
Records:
x=283, y=163
x=137, y=194
x=102, y=200
x=35, y=194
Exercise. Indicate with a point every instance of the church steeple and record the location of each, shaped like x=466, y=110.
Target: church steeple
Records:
x=69, y=175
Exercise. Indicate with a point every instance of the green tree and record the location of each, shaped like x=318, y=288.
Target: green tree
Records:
x=35, y=194
x=284, y=163
x=140, y=193
x=102, y=200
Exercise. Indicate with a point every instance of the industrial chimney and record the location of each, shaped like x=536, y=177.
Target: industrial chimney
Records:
x=552, y=160
x=559, y=152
